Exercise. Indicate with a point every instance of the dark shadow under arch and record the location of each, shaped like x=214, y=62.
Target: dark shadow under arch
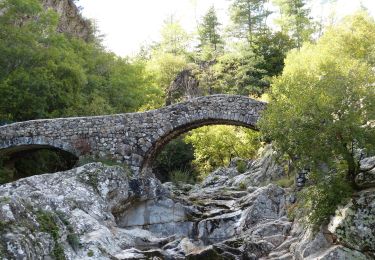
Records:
x=27, y=160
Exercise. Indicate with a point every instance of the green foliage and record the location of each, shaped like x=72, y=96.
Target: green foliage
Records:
x=241, y=166
x=6, y=174
x=45, y=74
x=175, y=39
x=208, y=31
x=248, y=18
x=3, y=225
x=294, y=20
x=286, y=182
x=175, y=156
x=90, y=253
x=58, y=252
x=42, y=161
x=273, y=47
x=47, y=223
x=316, y=203
x=323, y=104
x=239, y=72
x=215, y=146
x=179, y=177
x=242, y=186
x=164, y=67
x=73, y=241
x=34, y=162
x=5, y=199
x=164, y=60
x=354, y=37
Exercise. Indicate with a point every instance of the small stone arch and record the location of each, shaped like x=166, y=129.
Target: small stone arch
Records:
x=21, y=144
x=21, y=161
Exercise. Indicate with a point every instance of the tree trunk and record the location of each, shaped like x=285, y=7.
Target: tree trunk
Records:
x=352, y=169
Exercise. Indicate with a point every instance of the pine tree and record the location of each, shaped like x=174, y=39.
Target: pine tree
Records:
x=249, y=18
x=209, y=30
x=295, y=20
x=175, y=39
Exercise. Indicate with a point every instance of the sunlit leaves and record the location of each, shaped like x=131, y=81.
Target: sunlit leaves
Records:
x=324, y=98
x=215, y=146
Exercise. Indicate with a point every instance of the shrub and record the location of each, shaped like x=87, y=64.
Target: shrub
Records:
x=242, y=186
x=73, y=241
x=241, y=166
x=48, y=223
x=286, y=181
x=3, y=225
x=316, y=203
x=34, y=162
x=214, y=146
x=181, y=176
x=174, y=156
x=6, y=175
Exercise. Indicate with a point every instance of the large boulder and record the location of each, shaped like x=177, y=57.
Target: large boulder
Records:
x=321, y=245
x=354, y=224
x=260, y=172
x=72, y=213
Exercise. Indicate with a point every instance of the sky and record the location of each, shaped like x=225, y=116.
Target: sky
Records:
x=128, y=24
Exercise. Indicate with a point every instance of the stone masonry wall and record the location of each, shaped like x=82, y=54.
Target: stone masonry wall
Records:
x=133, y=138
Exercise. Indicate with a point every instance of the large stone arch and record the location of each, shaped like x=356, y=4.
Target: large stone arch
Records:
x=158, y=145
x=133, y=138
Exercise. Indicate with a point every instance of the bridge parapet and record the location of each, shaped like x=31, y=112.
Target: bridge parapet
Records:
x=133, y=138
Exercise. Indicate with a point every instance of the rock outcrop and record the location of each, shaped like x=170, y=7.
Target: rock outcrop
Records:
x=71, y=213
x=185, y=86
x=258, y=172
x=354, y=224
x=102, y=212
x=71, y=21
x=366, y=178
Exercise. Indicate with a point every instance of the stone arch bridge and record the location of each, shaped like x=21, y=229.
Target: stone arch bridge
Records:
x=133, y=138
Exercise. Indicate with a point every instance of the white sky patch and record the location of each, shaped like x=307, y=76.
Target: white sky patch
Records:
x=129, y=24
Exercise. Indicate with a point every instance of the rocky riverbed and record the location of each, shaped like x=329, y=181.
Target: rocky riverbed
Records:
x=102, y=212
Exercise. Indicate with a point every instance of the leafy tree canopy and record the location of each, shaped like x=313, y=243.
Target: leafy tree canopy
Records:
x=322, y=107
x=45, y=74
x=215, y=146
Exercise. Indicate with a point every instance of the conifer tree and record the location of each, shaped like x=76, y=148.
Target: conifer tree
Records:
x=209, y=30
x=294, y=20
x=249, y=18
